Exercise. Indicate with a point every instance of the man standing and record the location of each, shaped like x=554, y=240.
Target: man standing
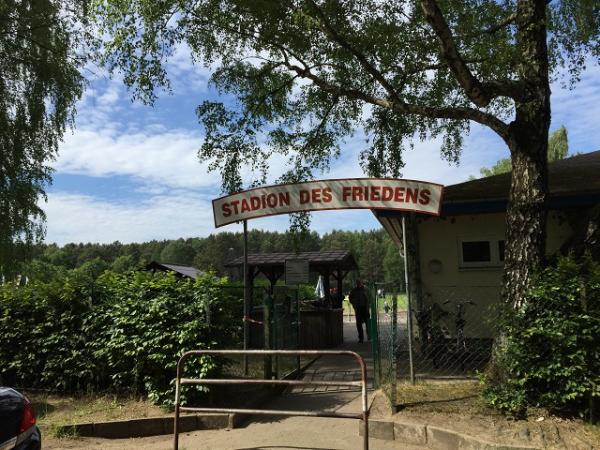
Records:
x=360, y=302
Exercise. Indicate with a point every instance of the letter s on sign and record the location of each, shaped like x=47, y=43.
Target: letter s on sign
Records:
x=226, y=210
x=424, y=196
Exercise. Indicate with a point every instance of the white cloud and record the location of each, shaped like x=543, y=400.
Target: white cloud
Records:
x=113, y=139
x=579, y=109
x=79, y=218
x=185, y=74
x=167, y=157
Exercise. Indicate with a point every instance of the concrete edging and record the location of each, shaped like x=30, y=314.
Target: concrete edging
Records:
x=147, y=426
x=154, y=426
x=431, y=436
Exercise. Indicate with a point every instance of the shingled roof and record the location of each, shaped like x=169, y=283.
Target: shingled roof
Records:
x=184, y=271
x=577, y=175
x=341, y=259
x=573, y=182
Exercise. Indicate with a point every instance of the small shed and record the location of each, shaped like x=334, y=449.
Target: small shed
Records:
x=316, y=327
x=180, y=271
x=334, y=264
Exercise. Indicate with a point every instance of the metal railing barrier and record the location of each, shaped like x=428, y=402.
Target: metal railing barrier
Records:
x=316, y=353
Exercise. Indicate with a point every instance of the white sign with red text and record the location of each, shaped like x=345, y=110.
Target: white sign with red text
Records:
x=349, y=193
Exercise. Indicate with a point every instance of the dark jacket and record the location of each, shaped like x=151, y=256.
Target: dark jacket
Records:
x=359, y=300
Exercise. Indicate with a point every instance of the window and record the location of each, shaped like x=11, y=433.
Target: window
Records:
x=480, y=253
x=476, y=251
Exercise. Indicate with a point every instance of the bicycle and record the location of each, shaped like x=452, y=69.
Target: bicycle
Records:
x=460, y=350
x=433, y=333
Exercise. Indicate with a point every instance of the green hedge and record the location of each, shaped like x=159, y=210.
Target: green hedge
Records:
x=548, y=354
x=121, y=333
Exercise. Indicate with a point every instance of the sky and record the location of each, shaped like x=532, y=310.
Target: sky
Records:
x=130, y=173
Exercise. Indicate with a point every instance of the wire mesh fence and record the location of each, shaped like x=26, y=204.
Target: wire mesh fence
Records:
x=440, y=340
x=273, y=323
x=387, y=301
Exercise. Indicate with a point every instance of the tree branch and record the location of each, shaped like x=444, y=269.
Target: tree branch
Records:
x=362, y=59
x=434, y=112
x=261, y=101
x=322, y=123
x=471, y=85
x=479, y=93
x=396, y=105
x=510, y=19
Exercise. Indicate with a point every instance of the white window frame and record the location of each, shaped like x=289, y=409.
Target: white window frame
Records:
x=494, y=261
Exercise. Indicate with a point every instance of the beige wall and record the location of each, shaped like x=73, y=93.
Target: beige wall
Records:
x=439, y=239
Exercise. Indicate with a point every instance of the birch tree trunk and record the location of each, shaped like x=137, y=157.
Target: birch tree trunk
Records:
x=528, y=143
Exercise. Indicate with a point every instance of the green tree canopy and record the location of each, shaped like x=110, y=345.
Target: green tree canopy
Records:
x=123, y=264
x=178, y=252
x=39, y=85
x=302, y=75
x=558, y=148
x=393, y=265
x=502, y=166
x=558, y=144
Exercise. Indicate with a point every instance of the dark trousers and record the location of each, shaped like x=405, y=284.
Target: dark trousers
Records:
x=362, y=317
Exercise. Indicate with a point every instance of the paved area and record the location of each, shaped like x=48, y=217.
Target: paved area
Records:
x=294, y=433
x=277, y=432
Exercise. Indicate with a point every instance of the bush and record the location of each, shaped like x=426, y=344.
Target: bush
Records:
x=118, y=332
x=548, y=353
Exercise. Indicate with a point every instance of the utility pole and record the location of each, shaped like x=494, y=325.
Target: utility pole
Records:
x=247, y=297
x=409, y=304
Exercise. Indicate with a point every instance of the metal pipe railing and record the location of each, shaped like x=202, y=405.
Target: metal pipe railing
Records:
x=315, y=353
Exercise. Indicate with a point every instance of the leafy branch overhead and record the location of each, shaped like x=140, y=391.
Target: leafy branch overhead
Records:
x=304, y=74
x=40, y=60
x=298, y=77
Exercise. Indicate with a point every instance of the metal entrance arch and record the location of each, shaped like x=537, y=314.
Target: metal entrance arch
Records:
x=352, y=193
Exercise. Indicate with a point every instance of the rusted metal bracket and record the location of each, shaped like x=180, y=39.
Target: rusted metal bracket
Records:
x=364, y=415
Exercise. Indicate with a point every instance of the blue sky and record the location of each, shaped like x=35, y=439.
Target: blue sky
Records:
x=129, y=172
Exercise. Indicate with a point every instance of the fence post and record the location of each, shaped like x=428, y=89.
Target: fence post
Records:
x=247, y=298
x=268, y=334
x=298, y=335
x=408, y=304
x=394, y=344
x=276, y=335
x=374, y=334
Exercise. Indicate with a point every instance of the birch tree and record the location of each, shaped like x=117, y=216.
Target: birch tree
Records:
x=298, y=76
x=40, y=83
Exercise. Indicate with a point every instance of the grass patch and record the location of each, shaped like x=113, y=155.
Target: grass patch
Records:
x=54, y=411
x=593, y=431
x=61, y=432
x=458, y=405
x=443, y=397
x=402, y=303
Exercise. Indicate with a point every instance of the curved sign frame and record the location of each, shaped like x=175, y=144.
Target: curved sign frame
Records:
x=321, y=195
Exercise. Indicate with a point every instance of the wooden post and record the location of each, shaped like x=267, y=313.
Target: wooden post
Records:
x=340, y=279
x=327, y=287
